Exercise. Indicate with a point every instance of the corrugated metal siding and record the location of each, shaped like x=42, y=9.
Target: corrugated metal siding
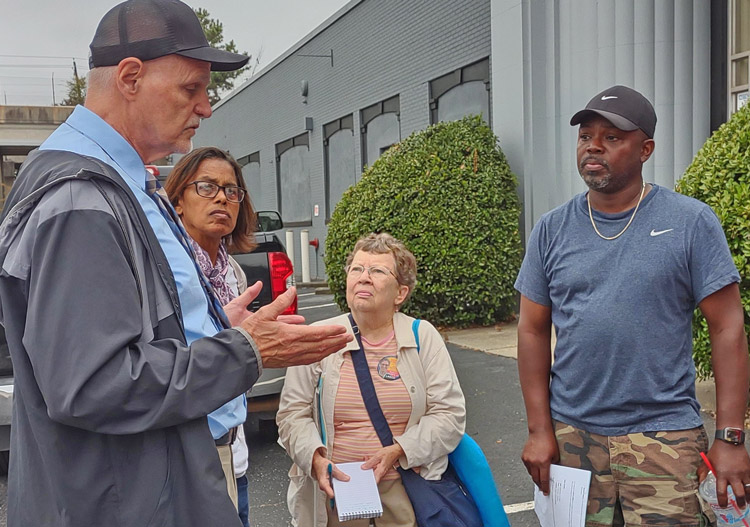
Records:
x=571, y=50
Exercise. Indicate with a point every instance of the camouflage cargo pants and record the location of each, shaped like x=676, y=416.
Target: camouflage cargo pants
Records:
x=638, y=479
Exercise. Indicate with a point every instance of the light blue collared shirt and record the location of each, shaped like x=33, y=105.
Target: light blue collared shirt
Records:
x=87, y=134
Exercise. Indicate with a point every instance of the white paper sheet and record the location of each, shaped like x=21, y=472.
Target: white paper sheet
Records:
x=566, y=504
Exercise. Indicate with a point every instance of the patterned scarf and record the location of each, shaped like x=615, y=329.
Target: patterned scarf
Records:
x=216, y=274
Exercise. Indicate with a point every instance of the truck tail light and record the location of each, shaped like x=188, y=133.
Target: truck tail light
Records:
x=282, y=278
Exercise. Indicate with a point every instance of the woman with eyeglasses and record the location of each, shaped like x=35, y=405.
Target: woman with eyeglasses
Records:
x=322, y=417
x=209, y=194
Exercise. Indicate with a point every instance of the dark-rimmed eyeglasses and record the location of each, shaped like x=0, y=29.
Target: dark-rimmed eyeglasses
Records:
x=206, y=189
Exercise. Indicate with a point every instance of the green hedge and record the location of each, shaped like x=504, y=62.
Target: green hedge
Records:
x=720, y=176
x=448, y=193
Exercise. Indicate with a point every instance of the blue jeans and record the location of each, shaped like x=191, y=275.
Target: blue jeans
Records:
x=243, y=507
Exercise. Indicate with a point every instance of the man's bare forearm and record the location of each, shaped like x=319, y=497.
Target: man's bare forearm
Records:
x=534, y=363
x=726, y=327
x=730, y=364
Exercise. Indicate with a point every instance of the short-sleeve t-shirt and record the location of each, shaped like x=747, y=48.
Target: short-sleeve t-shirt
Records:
x=622, y=309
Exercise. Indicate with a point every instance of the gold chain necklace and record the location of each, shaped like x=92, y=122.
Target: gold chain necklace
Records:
x=591, y=216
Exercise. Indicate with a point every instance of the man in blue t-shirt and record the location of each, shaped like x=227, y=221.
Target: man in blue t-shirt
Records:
x=618, y=271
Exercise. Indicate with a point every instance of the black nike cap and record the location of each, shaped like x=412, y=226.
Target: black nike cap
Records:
x=149, y=29
x=624, y=107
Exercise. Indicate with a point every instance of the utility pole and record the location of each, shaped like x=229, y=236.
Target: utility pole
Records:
x=53, y=89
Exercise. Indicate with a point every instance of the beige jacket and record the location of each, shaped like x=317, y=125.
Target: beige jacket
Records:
x=434, y=429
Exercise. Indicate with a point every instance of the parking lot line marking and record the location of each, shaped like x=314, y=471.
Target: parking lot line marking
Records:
x=306, y=294
x=519, y=507
x=315, y=307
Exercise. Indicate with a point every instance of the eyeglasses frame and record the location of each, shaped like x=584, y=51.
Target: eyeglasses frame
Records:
x=223, y=188
x=367, y=269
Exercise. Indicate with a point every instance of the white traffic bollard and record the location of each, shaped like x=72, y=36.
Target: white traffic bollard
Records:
x=304, y=240
x=290, y=245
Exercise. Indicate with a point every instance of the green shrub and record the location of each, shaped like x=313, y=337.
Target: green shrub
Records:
x=720, y=176
x=448, y=193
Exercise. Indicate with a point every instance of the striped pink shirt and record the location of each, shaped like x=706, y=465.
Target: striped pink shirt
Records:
x=354, y=436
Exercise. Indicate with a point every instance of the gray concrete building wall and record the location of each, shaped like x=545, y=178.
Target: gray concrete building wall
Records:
x=381, y=48
x=550, y=58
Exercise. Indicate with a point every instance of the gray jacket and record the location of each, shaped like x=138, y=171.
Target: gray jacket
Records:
x=109, y=423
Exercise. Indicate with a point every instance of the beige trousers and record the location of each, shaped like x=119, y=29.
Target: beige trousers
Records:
x=227, y=465
x=397, y=509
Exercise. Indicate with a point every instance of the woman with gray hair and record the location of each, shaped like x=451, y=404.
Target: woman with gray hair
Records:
x=323, y=420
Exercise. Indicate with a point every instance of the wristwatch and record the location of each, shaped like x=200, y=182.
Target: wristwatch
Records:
x=735, y=436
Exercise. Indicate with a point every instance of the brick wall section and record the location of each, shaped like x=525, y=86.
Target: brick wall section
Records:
x=381, y=48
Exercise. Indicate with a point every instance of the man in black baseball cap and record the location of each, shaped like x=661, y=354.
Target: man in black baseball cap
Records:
x=149, y=29
x=120, y=351
x=619, y=270
x=623, y=107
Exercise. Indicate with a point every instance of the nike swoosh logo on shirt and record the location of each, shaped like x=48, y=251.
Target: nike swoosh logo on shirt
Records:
x=654, y=232
x=605, y=97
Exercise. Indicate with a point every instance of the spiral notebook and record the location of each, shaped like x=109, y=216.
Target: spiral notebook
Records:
x=359, y=497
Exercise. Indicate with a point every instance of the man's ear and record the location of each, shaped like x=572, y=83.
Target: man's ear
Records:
x=130, y=72
x=647, y=148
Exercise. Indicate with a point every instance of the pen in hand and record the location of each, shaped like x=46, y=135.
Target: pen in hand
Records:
x=330, y=482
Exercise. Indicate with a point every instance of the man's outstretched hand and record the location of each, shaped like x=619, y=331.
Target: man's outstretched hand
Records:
x=281, y=342
x=236, y=310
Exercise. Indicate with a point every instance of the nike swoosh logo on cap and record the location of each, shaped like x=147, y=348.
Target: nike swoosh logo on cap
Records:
x=654, y=232
x=605, y=97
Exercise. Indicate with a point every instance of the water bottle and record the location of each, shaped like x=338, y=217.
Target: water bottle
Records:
x=725, y=516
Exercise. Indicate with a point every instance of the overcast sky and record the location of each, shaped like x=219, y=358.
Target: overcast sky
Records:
x=60, y=30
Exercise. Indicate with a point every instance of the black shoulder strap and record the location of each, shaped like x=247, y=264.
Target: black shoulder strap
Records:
x=367, y=388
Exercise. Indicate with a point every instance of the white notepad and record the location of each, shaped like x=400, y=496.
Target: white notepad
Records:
x=359, y=497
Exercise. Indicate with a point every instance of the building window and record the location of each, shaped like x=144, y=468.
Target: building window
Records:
x=338, y=156
x=381, y=128
x=739, y=53
x=293, y=181
x=251, y=174
x=462, y=92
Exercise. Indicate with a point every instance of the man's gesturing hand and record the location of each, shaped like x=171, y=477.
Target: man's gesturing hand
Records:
x=236, y=310
x=282, y=344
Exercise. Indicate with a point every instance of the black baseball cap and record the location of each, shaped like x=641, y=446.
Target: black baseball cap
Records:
x=149, y=29
x=623, y=107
